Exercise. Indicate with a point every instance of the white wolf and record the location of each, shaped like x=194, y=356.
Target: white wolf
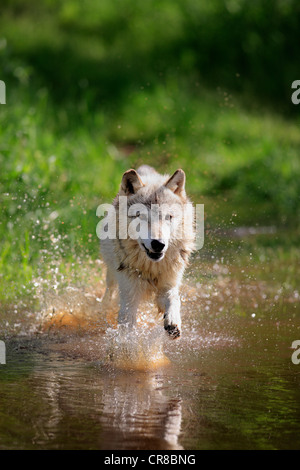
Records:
x=154, y=261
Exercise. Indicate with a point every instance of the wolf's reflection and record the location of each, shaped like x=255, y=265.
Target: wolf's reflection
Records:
x=137, y=414
x=107, y=411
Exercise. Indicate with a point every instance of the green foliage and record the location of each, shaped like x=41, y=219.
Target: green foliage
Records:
x=244, y=46
x=94, y=88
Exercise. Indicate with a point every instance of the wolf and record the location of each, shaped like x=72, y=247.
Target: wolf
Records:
x=153, y=261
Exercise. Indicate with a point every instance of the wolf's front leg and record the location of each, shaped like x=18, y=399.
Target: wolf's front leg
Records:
x=130, y=298
x=169, y=302
x=111, y=285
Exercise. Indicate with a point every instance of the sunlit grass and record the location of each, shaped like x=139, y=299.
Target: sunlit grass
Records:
x=81, y=110
x=59, y=164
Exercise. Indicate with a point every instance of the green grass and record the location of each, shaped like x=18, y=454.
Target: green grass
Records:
x=57, y=167
x=90, y=95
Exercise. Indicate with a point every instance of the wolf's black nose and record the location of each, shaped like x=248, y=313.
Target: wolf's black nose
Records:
x=157, y=245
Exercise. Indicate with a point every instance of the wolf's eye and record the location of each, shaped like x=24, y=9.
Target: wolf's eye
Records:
x=169, y=217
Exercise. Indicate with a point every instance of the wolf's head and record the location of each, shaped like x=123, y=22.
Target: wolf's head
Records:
x=158, y=212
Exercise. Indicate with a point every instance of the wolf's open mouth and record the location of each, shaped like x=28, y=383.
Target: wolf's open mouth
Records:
x=153, y=256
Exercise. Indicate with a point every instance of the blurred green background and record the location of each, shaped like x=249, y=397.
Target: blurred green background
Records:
x=94, y=87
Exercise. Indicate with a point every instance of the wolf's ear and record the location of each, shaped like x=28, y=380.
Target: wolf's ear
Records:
x=131, y=182
x=177, y=183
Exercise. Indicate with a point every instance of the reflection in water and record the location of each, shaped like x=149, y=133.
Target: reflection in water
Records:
x=215, y=394
x=141, y=416
x=119, y=410
x=228, y=383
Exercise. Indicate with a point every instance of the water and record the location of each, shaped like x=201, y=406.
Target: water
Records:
x=72, y=380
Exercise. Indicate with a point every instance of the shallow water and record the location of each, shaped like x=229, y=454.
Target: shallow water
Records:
x=227, y=383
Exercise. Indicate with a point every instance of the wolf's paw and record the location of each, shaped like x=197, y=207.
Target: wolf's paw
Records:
x=173, y=331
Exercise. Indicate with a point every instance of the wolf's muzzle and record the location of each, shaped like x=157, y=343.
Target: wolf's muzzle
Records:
x=152, y=255
x=157, y=246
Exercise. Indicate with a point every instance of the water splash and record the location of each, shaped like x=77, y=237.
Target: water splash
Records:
x=79, y=312
x=136, y=348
